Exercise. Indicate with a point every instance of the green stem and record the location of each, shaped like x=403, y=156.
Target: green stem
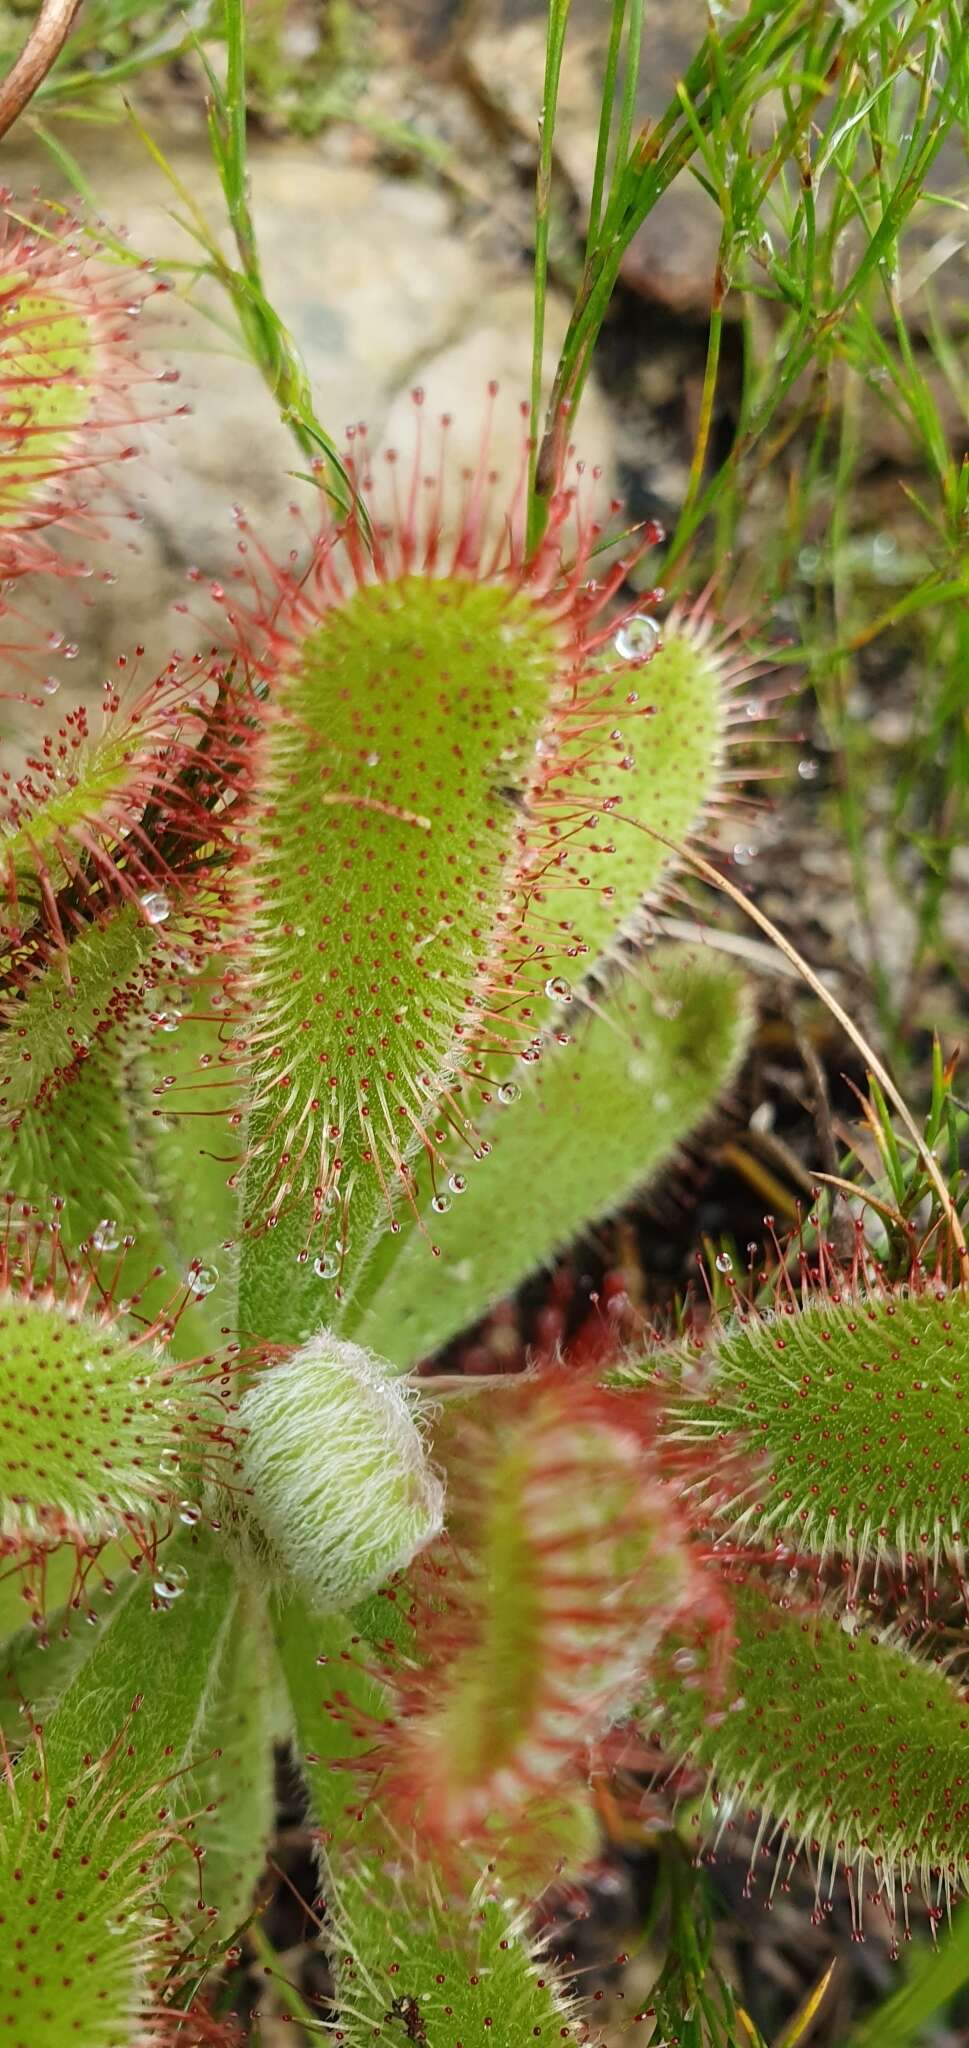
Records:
x=558, y=16
x=605, y=123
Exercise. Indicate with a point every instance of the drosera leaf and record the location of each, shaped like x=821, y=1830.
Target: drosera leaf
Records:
x=105, y=1130
x=94, y=1821
x=859, y=1407
x=49, y=1028
x=848, y=1746
x=103, y=1432
x=41, y=1658
x=383, y=854
x=406, y=1967
x=70, y=371
x=118, y=807
x=663, y=715
x=233, y=1785
x=403, y=1961
x=433, y=723
x=340, y=1489
x=591, y=1123
x=566, y=1562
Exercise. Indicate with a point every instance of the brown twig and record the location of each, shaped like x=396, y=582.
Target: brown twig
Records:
x=41, y=50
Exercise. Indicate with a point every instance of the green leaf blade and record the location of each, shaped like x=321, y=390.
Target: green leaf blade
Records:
x=596, y=1121
x=859, y=1409
x=831, y=1729
x=88, y=1838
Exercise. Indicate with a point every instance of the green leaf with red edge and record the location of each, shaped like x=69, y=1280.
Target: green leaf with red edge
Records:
x=68, y=370
x=94, y=1822
x=445, y=816
x=385, y=847
x=398, y=1952
x=120, y=805
x=849, y=1746
x=595, y=1119
x=102, y=1432
x=857, y=1411
x=565, y=1562
x=102, y=1081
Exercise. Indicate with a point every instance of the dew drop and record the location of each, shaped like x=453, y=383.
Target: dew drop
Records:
x=457, y=1183
x=202, y=1279
x=189, y=1512
x=373, y=760
x=685, y=1660
x=327, y=1266
x=170, y=1585
x=106, y=1237
x=155, y=906
x=169, y=1463
x=724, y=1262
x=743, y=855
x=509, y=1092
x=807, y=770
x=639, y=637
x=558, y=989
x=441, y=1204
x=168, y=1020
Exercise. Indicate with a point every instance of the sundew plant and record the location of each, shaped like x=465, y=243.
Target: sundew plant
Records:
x=338, y=998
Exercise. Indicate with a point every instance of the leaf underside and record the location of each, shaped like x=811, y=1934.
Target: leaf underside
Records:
x=596, y=1118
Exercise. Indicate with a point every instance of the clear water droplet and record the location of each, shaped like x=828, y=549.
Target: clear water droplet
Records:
x=685, y=1660
x=724, y=1262
x=457, y=1183
x=156, y=906
x=441, y=1204
x=743, y=855
x=558, y=989
x=639, y=637
x=509, y=1092
x=189, y=1512
x=171, y=1584
x=106, y=1237
x=169, y=1463
x=168, y=1020
x=807, y=770
x=327, y=1266
x=373, y=760
x=202, y=1279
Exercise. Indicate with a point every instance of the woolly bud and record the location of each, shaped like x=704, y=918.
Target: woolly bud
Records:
x=342, y=1492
